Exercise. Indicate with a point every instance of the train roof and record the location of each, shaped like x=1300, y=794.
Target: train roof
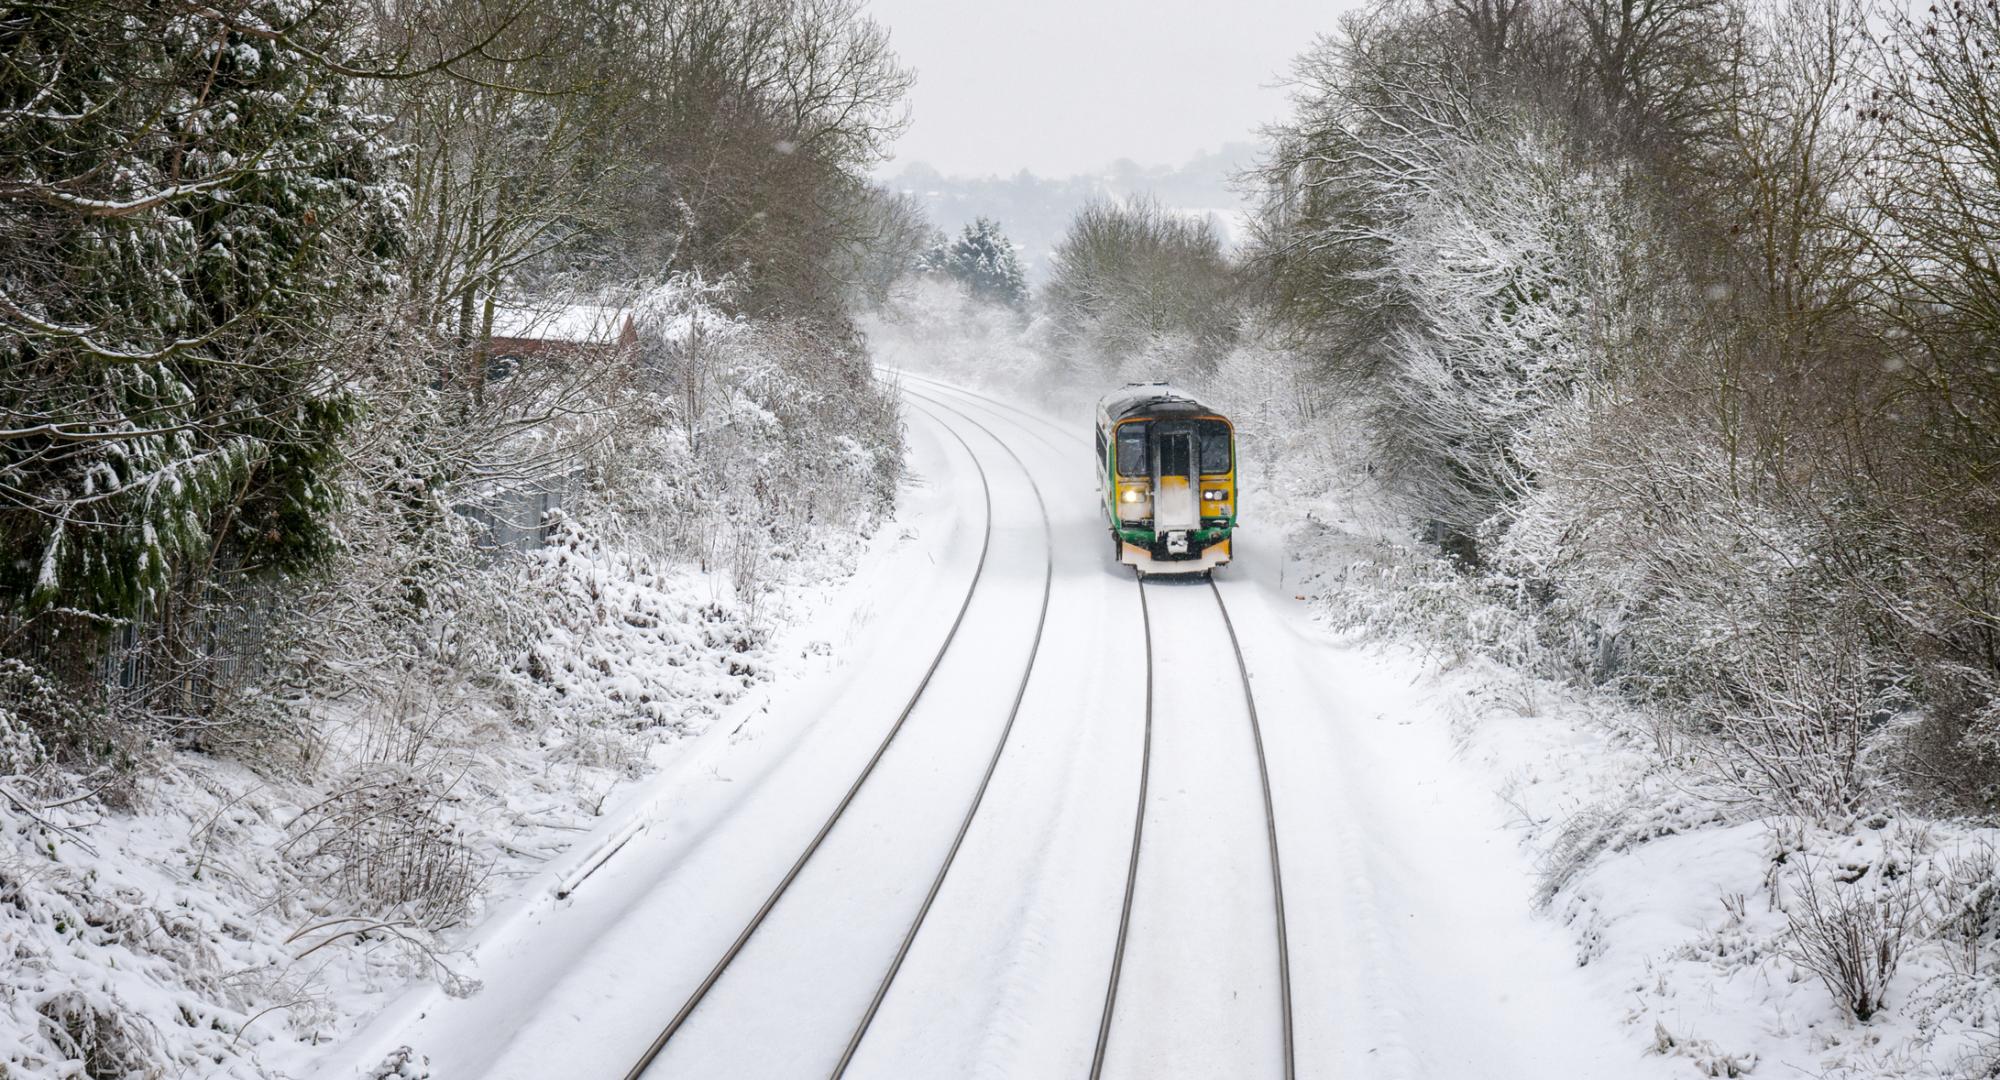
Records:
x=1149, y=399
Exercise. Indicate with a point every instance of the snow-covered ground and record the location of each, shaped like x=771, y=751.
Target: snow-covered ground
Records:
x=1482, y=876
x=1414, y=944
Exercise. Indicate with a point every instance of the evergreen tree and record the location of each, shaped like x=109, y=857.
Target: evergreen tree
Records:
x=194, y=202
x=983, y=261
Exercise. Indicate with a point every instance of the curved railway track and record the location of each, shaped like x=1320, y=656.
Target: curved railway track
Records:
x=1132, y=863
x=1145, y=764
x=991, y=402
x=1136, y=850
x=993, y=763
x=694, y=1000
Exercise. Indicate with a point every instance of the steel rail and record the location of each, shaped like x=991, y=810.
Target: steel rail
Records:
x=992, y=764
x=1270, y=831
x=694, y=1000
x=1132, y=864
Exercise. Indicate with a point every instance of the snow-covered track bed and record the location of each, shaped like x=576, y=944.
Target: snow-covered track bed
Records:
x=1200, y=984
x=830, y=913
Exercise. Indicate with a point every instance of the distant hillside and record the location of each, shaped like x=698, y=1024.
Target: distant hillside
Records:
x=1035, y=211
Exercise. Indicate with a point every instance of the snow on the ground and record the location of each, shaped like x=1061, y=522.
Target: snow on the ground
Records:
x=1486, y=875
x=201, y=917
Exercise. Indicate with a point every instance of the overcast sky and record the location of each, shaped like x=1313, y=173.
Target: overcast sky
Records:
x=1059, y=87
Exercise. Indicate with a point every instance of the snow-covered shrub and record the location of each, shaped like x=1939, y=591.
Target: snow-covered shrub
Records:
x=1964, y=895
x=32, y=708
x=110, y=971
x=631, y=644
x=743, y=443
x=383, y=841
x=1851, y=924
x=1577, y=843
x=402, y=1063
x=1649, y=564
x=105, y=1039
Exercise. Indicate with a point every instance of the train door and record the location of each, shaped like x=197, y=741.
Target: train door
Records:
x=1176, y=489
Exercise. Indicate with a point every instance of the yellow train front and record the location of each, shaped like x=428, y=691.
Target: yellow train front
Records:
x=1166, y=465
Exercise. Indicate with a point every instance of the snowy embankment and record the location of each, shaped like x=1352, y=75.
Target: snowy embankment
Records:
x=1722, y=931
x=203, y=920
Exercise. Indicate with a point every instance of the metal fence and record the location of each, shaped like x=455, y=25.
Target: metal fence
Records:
x=515, y=515
x=168, y=665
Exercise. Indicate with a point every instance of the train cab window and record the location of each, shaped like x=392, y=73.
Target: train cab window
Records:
x=1214, y=436
x=1132, y=451
x=1176, y=452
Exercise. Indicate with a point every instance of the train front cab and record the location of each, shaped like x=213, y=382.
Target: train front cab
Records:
x=1170, y=489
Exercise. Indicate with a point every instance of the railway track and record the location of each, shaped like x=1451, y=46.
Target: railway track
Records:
x=1099, y=1056
x=996, y=405
x=938, y=401
x=1132, y=863
x=1099, y=1052
x=986, y=779
x=693, y=1002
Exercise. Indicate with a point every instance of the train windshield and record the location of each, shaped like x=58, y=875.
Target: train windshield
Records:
x=1132, y=451
x=1214, y=436
x=1175, y=450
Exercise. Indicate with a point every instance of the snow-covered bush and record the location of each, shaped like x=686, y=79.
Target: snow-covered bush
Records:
x=1851, y=924
x=32, y=707
x=1965, y=906
x=382, y=843
x=744, y=441
x=1648, y=568
x=105, y=1038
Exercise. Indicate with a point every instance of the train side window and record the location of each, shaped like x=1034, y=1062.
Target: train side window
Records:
x=1132, y=451
x=1214, y=446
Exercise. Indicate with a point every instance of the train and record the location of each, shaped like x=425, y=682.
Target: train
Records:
x=1166, y=467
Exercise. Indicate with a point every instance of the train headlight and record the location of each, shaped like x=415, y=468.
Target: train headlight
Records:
x=1213, y=494
x=1132, y=495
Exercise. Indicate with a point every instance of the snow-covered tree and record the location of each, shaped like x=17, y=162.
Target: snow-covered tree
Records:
x=195, y=205
x=1139, y=284
x=982, y=260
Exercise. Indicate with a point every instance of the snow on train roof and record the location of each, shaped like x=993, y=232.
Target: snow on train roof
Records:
x=1136, y=398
